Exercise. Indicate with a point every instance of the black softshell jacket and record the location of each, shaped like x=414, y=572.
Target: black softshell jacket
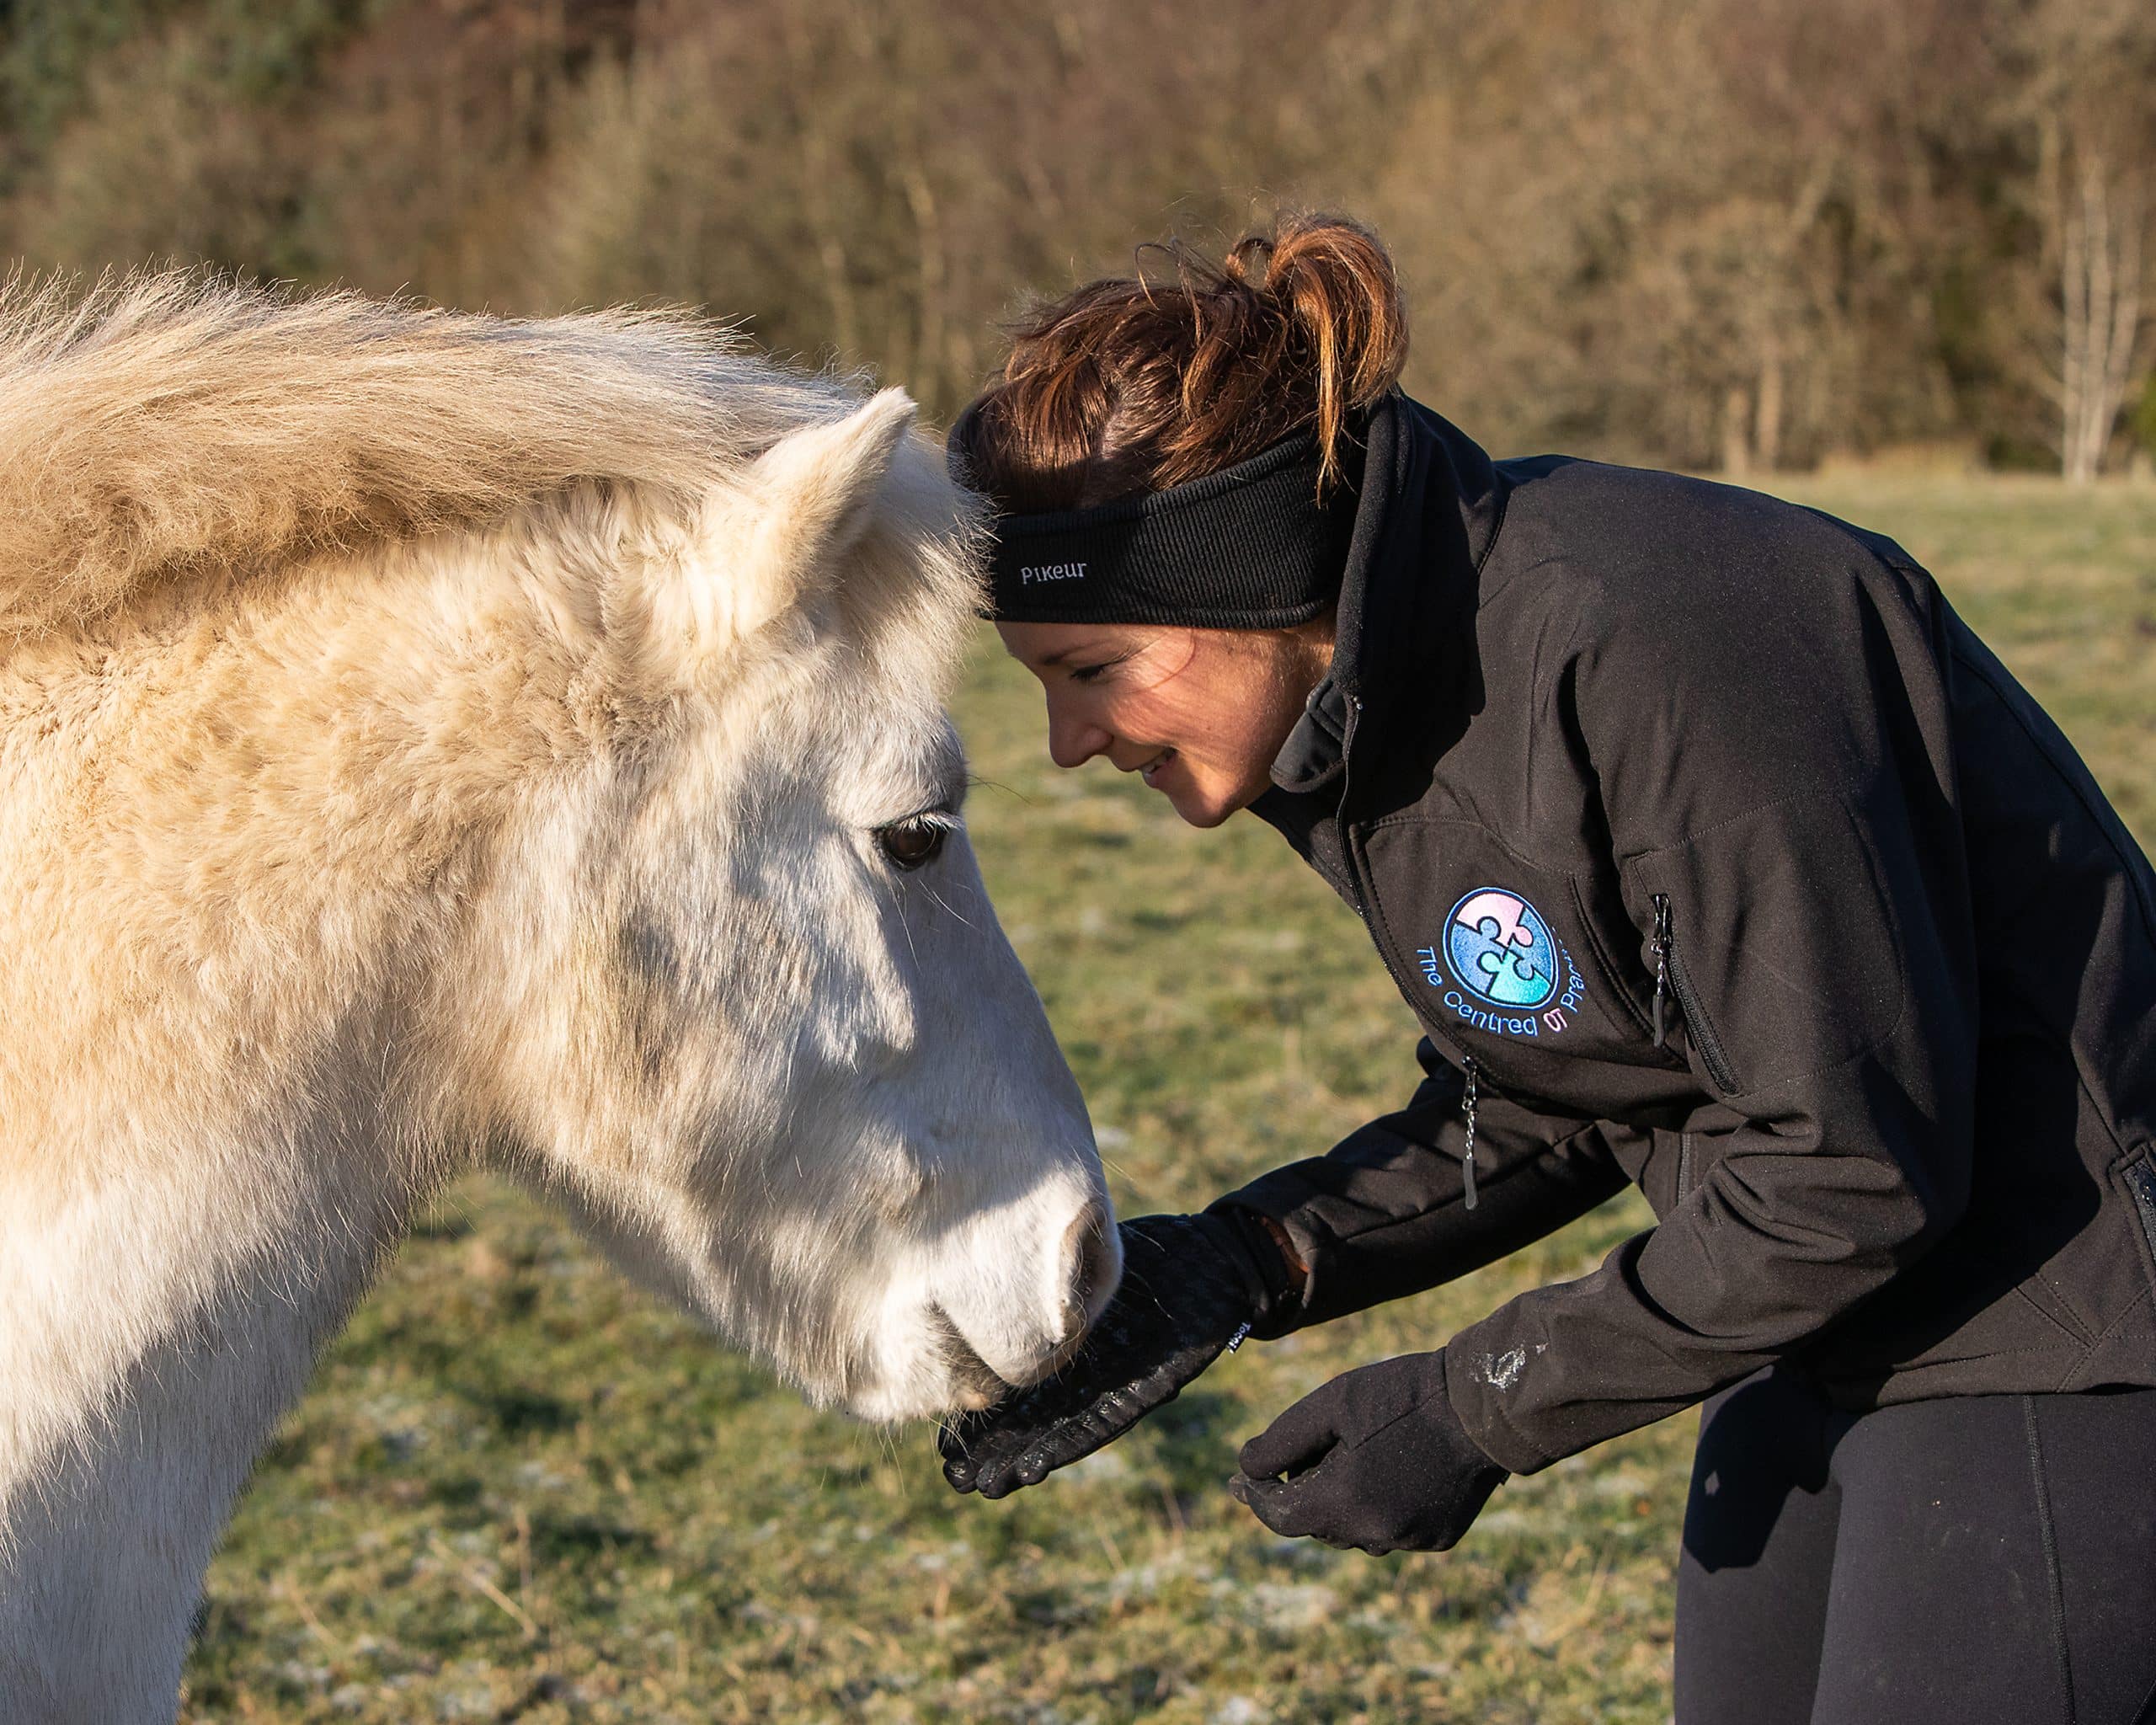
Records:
x=1604, y=749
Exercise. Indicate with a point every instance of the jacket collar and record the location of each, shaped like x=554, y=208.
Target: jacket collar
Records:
x=1317, y=749
x=1431, y=505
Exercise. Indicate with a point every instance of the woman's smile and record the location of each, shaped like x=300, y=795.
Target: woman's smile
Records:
x=1148, y=770
x=1212, y=706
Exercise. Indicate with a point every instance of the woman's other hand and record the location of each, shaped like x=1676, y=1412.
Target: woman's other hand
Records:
x=1191, y=1287
x=1375, y=1460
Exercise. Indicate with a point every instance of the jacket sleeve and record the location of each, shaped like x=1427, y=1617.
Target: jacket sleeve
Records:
x=1822, y=949
x=1381, y=1215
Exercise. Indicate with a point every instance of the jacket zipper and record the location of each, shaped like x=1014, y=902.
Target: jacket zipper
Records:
x=1362, y=910
x=1661, y=965
x=1467, y=1155
x=1669, y=977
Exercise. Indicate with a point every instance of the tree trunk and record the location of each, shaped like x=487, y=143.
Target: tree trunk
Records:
x=1736, y=433
x=2100, y=309
x=1767, y=419
x=819, y=176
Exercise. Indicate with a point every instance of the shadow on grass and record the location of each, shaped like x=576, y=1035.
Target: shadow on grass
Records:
x=579, y=1539
x=517, y=1411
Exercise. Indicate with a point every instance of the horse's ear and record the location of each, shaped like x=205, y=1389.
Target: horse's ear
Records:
x=820, y=485
x=775, y=534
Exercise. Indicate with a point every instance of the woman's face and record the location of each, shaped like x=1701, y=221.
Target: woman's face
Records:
x=1198, y=714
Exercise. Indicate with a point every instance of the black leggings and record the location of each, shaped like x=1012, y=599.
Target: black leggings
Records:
x=1986, y=1560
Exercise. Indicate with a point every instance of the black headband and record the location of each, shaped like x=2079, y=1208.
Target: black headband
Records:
x=1248, y=547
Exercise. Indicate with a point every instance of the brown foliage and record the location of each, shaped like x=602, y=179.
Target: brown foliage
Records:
x=1740, y=231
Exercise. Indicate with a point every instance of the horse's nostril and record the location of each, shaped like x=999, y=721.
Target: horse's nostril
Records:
x=1094, y=1255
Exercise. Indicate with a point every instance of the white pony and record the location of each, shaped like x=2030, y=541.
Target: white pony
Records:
x=430, y=741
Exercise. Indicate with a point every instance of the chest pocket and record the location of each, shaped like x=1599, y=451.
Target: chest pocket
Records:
x=1515, y=964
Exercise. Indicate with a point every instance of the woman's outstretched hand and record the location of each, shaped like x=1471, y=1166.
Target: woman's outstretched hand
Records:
x=1189, y=1289
x=1375, y=1460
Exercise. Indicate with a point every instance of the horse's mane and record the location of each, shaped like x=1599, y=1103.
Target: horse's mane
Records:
x=173, y=422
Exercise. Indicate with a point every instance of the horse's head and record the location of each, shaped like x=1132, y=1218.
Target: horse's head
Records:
x=753, y=1016
x=425, y=732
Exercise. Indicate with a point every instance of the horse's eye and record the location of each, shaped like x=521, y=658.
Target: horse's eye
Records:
x=911, y=843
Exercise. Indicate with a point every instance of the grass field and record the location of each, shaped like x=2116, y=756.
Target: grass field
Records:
x=519, y=1490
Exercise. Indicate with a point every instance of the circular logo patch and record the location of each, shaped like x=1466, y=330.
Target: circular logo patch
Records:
x=1501, y=949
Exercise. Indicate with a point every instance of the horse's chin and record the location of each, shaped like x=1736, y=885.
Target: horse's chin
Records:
x=956, y=1380
x=973, y=1383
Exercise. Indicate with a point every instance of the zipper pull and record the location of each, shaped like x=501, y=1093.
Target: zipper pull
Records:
x=1467, y=1159
x=1661, y=963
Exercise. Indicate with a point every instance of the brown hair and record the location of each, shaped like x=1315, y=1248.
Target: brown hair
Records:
x=1131, y=384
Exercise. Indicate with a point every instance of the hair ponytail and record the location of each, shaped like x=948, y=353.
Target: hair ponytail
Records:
x=1134, y=384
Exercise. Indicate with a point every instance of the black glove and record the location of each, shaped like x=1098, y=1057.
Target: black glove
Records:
x=1191, y=1285
x=1375, y=1459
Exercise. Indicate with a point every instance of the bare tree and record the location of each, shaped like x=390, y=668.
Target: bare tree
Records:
x=2091, y=96
x=2096, y=232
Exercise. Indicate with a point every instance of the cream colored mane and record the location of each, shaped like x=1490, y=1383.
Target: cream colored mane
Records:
x=169, y=424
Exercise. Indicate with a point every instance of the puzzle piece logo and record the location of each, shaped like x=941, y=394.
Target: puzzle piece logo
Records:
x=1501, y=949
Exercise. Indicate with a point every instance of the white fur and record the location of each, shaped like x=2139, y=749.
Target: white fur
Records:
x=487, y=775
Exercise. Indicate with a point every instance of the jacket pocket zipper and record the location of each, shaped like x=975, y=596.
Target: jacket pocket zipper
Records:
x=1669, y=977
x=1467, y=1155
x=2141, y=1185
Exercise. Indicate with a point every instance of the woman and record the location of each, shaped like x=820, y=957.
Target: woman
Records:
x=1715, y=854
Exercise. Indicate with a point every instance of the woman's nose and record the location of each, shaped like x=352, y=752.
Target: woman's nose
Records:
x=1073, y=740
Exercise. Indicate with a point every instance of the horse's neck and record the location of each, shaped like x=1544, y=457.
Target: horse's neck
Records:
x=157, y=1325
x=209, y=1047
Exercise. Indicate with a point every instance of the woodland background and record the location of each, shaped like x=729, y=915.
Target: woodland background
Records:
x=1741, y=234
